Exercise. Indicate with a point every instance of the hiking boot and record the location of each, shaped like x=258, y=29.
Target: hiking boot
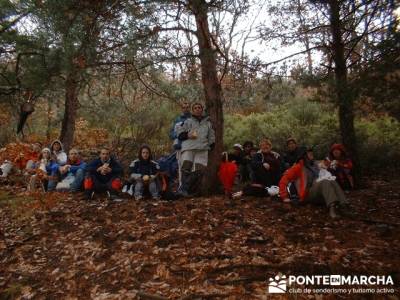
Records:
x=89, y=195
x=332, y=211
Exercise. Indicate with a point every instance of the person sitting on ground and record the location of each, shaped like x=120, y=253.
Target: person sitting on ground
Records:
x=245, y=166
x=292, y=153
x=266, y=165
x=103, y=175
x=236, y=155
x=341, y=166
x=26, y=161
x=71, y=175
x=144, y=171
x=305, y=175
x=198, y=137
x=57, y=150
x=42, y=171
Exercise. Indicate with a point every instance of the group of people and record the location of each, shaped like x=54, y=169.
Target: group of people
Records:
x=294, y=175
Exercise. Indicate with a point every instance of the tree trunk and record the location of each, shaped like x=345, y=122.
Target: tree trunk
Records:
x=70, y=113
x=345, y=96
x=212, y=91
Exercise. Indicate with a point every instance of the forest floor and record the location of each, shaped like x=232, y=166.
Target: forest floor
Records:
x=59, y=247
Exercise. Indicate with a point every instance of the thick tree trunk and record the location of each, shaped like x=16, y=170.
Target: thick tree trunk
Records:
x=344, y=95
x=70, y=112
x=212, y=91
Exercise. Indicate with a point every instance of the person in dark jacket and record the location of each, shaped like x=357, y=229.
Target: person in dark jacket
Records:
x=245, y=166
x=236, y=155
x=103, y=175
x=291, y=154
x=266, y=165
x=144, y=172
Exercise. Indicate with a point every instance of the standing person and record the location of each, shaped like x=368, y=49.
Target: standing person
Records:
x=103, y=175
x=71, y=175
x=341, y=166
x=177, y=145
x=305, y=175
x=198, y=137
x=292, y=153
x=144, y=171
x=266, y=165
x=57, y=150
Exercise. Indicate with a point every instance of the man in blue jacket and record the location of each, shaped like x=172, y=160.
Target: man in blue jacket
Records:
x=103, y=175
x=71, y=175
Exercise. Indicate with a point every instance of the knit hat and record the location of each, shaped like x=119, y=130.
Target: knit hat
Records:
x=238, y=146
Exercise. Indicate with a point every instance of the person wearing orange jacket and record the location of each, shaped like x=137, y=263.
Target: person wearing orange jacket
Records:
x=304, y=174
x=341, y=166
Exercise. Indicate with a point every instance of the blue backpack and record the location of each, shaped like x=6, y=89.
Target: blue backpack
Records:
x=169, y=165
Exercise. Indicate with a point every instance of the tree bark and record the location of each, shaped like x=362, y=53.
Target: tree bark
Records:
x=212, y=91
x=70, y=112
x=344, y=95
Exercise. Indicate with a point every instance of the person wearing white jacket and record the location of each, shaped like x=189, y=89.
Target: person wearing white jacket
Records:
x=57, y=150
x=198, y=137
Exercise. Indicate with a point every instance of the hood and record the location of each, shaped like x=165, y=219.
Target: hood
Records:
x=46, y=150
x=57, y=141
x=338, y=147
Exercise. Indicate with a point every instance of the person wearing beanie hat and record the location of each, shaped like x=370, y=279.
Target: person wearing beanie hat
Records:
x=310, y=188
x=341, y=166
x=236, y=155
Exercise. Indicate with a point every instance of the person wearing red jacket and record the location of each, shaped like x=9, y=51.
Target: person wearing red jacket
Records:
x=304, y=174
x=341, y=166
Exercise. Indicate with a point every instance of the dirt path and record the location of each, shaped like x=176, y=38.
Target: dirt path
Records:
x=204, y=248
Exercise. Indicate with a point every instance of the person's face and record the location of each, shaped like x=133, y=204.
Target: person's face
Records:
x=247, y=148
x=36, y=148
x=73, y=156
x=56, y=146
x=145, y=154
x=104, y=155
x=310, y=155
x=265, y=147
x=252, y=152
x=291, y=146
x=185, y=108
x=336, y=153
x=197, y=110
x=46, y=155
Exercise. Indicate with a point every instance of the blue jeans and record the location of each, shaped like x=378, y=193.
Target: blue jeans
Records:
x=139, y=187
x=77, y=184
